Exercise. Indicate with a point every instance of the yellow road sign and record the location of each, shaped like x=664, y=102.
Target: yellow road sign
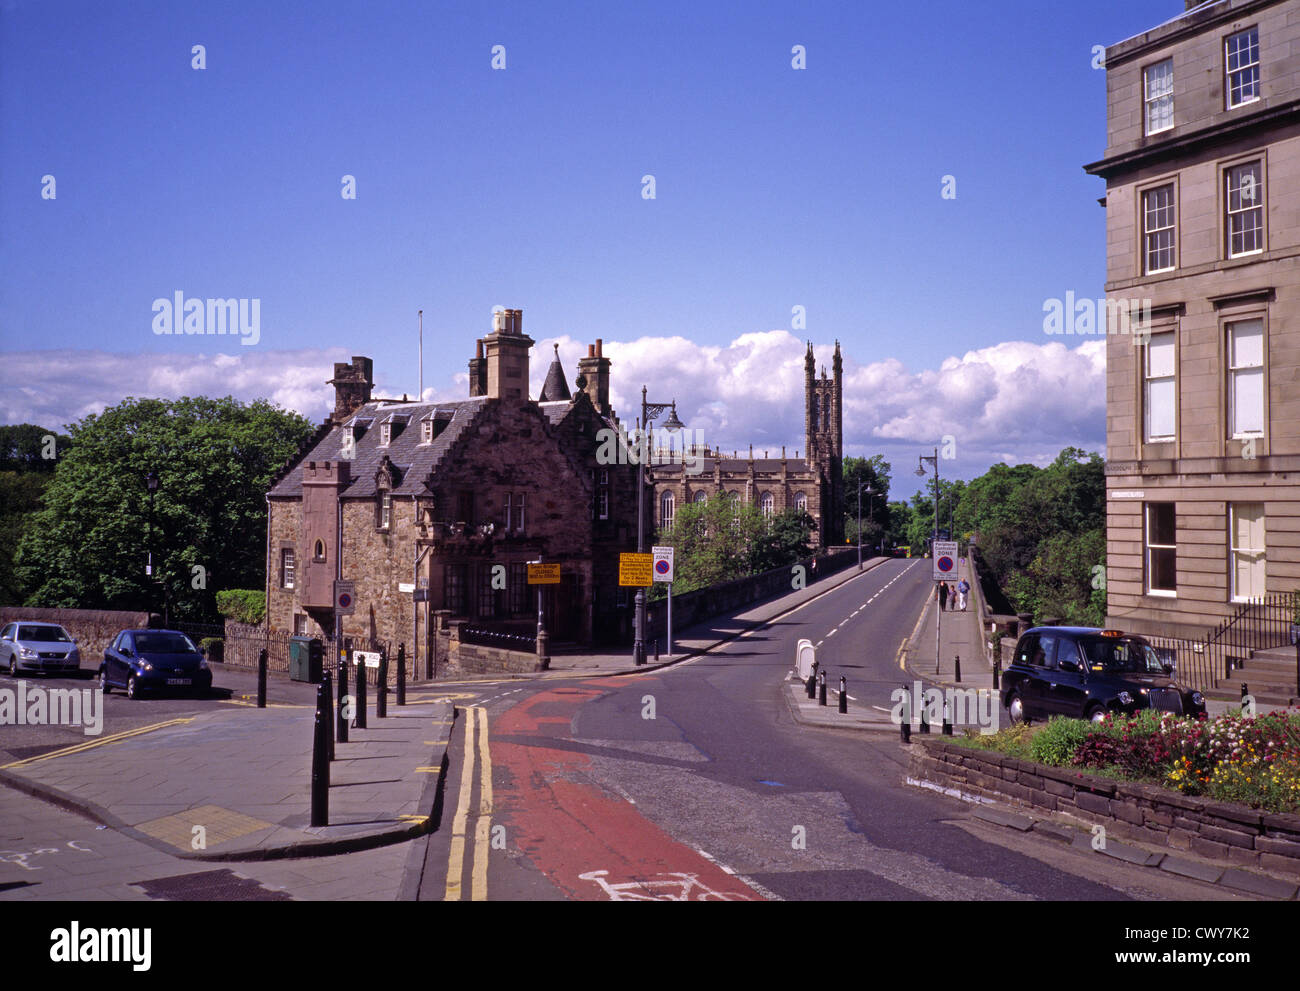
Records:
x=543, y=574
x=635, y=569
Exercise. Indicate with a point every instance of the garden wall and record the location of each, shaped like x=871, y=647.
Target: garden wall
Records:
x=1243, y=836
x=93, y=629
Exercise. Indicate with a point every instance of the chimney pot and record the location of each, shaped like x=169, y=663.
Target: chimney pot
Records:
x=599, y=353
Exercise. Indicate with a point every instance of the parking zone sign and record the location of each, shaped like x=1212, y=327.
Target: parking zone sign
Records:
x=663, y=563
x=945, y=560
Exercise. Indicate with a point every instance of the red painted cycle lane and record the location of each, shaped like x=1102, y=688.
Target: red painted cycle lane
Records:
x=589, y=844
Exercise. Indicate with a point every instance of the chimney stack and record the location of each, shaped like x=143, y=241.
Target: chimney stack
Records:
x=593, y=372
x=501, y=369
x=352, y=386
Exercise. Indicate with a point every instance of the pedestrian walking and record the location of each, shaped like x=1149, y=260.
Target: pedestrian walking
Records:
x=943, y=596
x=963, y=588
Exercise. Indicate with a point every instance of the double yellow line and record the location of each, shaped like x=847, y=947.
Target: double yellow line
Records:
x=483, y=821
x=102, y=741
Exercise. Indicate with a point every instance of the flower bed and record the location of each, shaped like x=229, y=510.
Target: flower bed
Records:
x=1248, y=760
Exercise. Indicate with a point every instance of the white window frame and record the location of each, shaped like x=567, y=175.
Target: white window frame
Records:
x=520, y=506
x=385, y=434
x=1167, y=211
x=385, y=510
x=1148, y=379
x=1252, y=193
x=1259, y=554
x=801, y=501
x=426, y=432
x=1241, y=68
x=1148, y=547
x=1163, y=101
x=667, y=507
x=288, y=567
x=1236, y=371
x=767, y=505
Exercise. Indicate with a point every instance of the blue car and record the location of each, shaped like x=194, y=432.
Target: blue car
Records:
x=141, y=661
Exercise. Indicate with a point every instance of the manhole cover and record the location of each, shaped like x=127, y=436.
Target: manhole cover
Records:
x=210, y=886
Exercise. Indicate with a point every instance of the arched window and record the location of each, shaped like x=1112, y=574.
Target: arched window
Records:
x=701, y=496
x=801, y=502
x=767, y=504
x=666, y=504
x=318, y=550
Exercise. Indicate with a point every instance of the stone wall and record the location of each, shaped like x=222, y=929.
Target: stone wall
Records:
x=93, y=629
x=705, y=603
x=1243, y=836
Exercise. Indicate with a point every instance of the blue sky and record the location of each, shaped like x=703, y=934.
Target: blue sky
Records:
x=522, y=187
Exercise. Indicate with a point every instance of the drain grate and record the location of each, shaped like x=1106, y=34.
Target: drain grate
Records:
x=210, y=886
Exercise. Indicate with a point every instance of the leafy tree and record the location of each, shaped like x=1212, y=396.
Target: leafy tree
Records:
x=27, y=447
x=786, y=538
x=876, y=473
x=214, y=459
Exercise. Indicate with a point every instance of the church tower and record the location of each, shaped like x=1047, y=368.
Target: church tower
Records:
x=824, y=435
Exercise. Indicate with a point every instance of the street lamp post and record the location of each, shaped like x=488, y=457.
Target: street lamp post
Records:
x=870, y=492
x=150, y=483
x=648, y=413
x=920, y=470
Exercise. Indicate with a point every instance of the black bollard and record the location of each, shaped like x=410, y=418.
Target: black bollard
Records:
x=359, y=719
x=822, y=692
x=956, y=663
x=320, y=766
x=811, y=684
x=341, y=722
x=328, y=684
x=656, y=650
x=1244, y=693
x=997, y=672
x=947, y=723
x=925, y=721
x=905, y=723
x=401, y=674
x=844, y=696
x=381, y=696
x=261, y=679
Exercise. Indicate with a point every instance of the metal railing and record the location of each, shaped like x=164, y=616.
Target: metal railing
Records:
x=495, y=638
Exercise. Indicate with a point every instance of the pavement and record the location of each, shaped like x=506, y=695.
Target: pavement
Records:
x=234, y=782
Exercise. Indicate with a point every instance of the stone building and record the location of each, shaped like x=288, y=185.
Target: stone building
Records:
x=813, y=483
x=1202, y=170
x=453, y=499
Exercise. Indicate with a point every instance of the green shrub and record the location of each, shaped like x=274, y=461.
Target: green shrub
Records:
x=1056, y=742
x=242, y=605
x=1014, y=741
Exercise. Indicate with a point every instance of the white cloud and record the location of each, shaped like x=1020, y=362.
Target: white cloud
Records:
x=1014, y=401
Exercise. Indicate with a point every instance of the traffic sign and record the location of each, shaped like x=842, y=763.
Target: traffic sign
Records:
x=543, y=574
x=945, y=560
x=663, y=563
x=345, y=598
x=635, y=569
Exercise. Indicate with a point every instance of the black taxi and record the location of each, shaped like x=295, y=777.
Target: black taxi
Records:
x=1085, y=673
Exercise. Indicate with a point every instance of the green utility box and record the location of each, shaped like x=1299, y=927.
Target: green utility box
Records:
x=306, y=659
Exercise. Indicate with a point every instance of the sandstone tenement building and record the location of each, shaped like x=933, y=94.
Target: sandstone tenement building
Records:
x=1202, y=170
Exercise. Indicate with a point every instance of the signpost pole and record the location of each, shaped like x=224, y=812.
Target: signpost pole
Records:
x=670, y=619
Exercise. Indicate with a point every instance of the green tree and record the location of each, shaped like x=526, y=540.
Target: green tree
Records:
x=785, y=539
x=876, y=473
x=29, y=448
x=214, y=459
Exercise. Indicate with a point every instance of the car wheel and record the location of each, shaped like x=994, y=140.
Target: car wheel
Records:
x=1016, y=706
x=132, y=688
x=103, y=681
x=1095, y=715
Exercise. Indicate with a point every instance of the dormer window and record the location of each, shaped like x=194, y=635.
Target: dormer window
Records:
x=385, y=434
x=426, y=432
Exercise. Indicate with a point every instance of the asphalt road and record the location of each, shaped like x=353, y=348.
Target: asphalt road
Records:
x=695, y=782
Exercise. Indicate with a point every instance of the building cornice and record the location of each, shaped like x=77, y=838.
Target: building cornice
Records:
x=1192, y=22
x=1108, y=168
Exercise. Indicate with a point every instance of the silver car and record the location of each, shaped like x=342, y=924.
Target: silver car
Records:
x=37, y=647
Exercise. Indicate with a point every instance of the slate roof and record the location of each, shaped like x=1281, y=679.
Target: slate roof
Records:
x=413, y=459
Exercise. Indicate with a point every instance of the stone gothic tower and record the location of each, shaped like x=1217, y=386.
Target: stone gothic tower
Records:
x=824, y=434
